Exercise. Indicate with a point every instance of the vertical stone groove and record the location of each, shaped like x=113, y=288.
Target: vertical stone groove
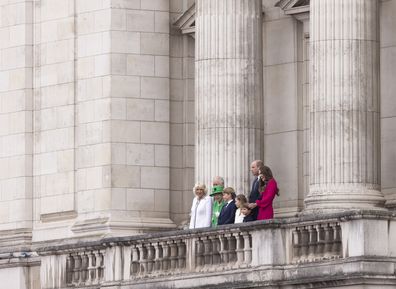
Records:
x=344, y=105
x=228, y=89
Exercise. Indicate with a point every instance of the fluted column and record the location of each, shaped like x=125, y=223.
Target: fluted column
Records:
x=345, y=122
x=228, y=89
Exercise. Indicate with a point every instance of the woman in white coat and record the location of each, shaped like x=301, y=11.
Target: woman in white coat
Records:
x=201, y=209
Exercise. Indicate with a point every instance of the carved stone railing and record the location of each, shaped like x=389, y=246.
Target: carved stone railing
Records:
x=85, y=267
x=155, y=258
x=158, y=256
x=317, y=242
x=237, y=251
x=214, y=252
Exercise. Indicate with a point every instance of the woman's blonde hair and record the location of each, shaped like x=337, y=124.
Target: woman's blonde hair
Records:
x=200, y=185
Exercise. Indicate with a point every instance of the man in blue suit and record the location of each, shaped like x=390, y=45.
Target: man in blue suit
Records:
x=227, y=214
x=255, y=192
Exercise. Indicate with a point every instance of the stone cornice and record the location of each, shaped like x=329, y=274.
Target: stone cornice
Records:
x=296, y=8
x=17, y=262
x=186, y=21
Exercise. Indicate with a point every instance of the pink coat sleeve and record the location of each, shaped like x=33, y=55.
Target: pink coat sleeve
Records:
x=268, y=195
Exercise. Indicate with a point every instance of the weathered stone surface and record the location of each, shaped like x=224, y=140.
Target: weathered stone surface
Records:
x=345, y=118
x=336, y=248
x=98, y=108
x=228, y=73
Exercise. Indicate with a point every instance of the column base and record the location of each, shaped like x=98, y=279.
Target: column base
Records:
x=347, y=197
x=288, y=212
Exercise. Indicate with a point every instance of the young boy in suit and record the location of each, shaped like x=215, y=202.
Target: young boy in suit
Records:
x=247, y=212
x=227, y=214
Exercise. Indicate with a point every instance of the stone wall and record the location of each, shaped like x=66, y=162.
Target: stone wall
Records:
x=388, y=105
x=16, y=122
x=93, y=80
x=109, y=93
x=20, y=272
x=54, y=100
x=102, y=132
x=97, y=129
x=182, y=115
x=283, y=109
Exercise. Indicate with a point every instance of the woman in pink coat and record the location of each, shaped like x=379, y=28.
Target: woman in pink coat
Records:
x=264, y=203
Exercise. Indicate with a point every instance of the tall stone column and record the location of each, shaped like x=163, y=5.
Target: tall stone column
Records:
x=345, y=121
x=228, y=89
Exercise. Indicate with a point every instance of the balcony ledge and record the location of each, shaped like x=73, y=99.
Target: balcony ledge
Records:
x=333, y=248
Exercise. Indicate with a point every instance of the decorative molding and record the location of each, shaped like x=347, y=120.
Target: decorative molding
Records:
x=15, y=240
x=186, y=21
x=18, y=260
x=60, y=216
x=103, y=225
x=297, y=8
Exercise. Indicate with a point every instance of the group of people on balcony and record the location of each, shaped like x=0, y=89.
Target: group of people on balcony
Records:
x=224, y=207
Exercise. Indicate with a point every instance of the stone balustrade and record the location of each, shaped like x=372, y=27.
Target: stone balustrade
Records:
x=317, y=242
x=85, y=267
x=213, y=250
x=155, y=258
x=287, y=246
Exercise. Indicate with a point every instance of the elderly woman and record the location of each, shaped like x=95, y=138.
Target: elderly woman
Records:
x=201, y=209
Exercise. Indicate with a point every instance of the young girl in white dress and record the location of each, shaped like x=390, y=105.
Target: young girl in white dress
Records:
x=239, y=201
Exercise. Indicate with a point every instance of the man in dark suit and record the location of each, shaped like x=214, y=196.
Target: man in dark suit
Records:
x=255, y=192
x=227, y=214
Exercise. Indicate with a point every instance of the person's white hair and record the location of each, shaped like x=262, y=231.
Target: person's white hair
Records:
x=218, y=181
x=200, y=186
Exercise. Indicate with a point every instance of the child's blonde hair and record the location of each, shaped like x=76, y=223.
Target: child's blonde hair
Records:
x=242, y=199
x=229, y=191
x=245, y=206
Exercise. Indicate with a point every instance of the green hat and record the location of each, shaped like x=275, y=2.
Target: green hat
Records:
x=217, y=190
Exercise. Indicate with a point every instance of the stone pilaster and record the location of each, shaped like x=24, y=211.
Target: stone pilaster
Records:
x=345, y=123
x=16, y=125
x=54, y=118
x=123, y=153
x=228, y=89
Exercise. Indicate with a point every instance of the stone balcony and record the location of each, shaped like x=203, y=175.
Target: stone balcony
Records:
x=350, y=248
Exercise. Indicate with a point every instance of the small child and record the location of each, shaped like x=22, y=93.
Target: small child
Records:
x=239, y=202
x=247, y=213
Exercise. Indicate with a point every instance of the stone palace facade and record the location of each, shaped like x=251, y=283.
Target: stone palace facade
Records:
x=110, y=110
